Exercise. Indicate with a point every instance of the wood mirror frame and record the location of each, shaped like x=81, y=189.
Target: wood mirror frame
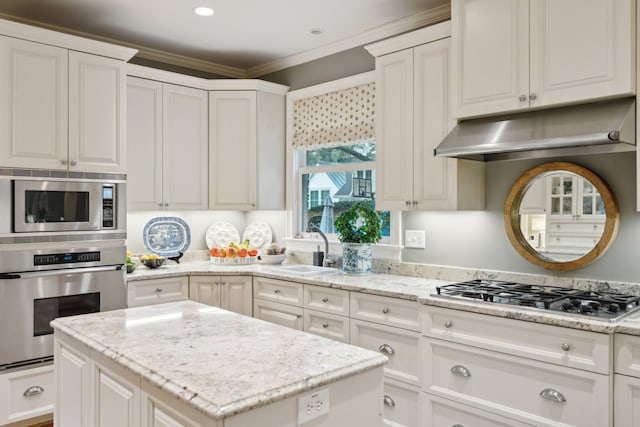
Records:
x=512, y=216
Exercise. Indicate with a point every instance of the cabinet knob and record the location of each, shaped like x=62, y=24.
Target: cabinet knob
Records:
x=325, y=299
x=386, y=348
x=158, y=290
x=159, y=205
x=276, y=291
x=461, y=371
x=407, y=202
x=63, y=161
x=166, y=205
x=565, y=347
x=522, y=98
x=415, y=203
x=551, y=394
x=448, y=324
x=73, y=163
x=388, y=401
x=223, y=282
x=33, y=391
x=385, y=310
x=533, y=97
x=325, y=325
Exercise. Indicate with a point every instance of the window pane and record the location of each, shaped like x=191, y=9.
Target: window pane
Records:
x=361, y=152
x=337, y=191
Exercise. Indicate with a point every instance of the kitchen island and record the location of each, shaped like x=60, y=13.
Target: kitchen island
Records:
x=190, y=364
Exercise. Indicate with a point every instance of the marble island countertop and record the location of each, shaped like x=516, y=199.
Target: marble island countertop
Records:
x=418, y=289
x=218, y=362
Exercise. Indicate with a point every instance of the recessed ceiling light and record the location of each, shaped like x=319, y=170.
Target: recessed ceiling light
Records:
x=316, y=31
x=203, y=11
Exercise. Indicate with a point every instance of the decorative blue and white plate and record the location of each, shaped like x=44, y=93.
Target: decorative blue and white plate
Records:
x=166, y=236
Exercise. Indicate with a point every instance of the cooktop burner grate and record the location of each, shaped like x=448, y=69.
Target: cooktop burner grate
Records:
x=601, y=305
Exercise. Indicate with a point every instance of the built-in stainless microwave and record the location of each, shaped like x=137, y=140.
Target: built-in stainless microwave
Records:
x=54, y=205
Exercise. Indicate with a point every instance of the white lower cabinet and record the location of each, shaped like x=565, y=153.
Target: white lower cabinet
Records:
x=233, y=293
x=401, y=404
x=280, y=314
x=116, y=401
x=26, y=394
x=157, y=291
x=326, y=325
x=626, y=382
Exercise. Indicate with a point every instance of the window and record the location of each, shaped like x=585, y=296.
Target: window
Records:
x=333, y=148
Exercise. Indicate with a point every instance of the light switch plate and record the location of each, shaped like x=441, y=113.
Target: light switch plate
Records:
x=414, y=239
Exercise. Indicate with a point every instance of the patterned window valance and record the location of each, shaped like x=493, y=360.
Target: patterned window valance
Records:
x=336, y=118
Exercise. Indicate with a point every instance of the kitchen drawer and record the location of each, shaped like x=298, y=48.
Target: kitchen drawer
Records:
x=401, y=404
x=438, y=412
x=562, y=346
x=576, y=227
x=627, y=354
x=557, y=240
x=327, y=325
x=626, y=402
x=399, y=345
x=325, y=299
x=515, y=387
x=26, y=394
x=280, y=314
x=156, y=291
x=278, y=290
x=386, y=310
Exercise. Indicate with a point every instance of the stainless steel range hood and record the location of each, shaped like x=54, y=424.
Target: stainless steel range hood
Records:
x=601, y=127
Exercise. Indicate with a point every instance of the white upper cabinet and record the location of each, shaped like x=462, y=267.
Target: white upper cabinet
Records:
x=511, y=55
x=61, y=108
x=167, y=145
x=246, y=150
x=412, y=118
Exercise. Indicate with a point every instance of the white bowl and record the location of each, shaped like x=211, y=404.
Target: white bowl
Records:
x=272, y=259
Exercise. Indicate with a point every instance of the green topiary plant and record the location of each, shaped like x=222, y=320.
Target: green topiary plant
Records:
x=359, y=224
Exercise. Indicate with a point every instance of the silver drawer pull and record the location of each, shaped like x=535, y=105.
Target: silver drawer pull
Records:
x=33, y=391
x=385, y=310
x=448, y=324
x=460, y=370
x=325, y=325
x=386, y=348
x=551, y=394
x=457, y=425
x=325, y=299
x=566, y=347
x=388, y=401
x=158, y=290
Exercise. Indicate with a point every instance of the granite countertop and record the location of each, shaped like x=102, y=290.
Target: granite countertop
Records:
x=218, y=362
x=418, y=289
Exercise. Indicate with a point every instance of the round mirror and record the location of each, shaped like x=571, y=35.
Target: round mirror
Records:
x=561, y=216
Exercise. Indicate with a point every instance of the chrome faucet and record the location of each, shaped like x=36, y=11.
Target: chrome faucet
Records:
x=328, y=259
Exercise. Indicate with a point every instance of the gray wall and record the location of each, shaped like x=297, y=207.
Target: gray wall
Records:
x=477, y=239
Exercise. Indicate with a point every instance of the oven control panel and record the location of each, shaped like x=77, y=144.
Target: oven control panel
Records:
x=64, y=258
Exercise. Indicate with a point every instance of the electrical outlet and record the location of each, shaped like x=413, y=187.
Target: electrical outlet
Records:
x=414, y=239
x=313, y=405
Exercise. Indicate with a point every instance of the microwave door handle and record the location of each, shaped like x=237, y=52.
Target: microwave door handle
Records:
x=46, y=273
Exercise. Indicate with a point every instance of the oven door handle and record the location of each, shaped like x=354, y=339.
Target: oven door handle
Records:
x=45, y=273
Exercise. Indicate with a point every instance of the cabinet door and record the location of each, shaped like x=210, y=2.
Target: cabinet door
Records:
x=33, y=104
x=490, y=48
x=97, y=133
x=205, y=289
x=394, y=131
x=117, y=401
x=626, y=404
x=237, y=294
x=73, y=382
x=184, y=148
x=144, y=144
x=581, y=56
x=280, y=314
x=26, y=394
x=232, y=150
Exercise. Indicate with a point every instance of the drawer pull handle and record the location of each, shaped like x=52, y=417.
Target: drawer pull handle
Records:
x=33, y=391
x=325, y=299
x=325, y=325
x=457, y=425
x=276, y=291
x=460, y=370
x=298, y=316
x=448, y=324
x=158, y=290
x=551, y=394
x=566, y=347
x=388, y=401
x=386, y=348
x=385, y=310
x=223, y=283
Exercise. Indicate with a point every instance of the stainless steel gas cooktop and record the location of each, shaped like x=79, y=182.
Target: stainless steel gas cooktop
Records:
x=601, y=305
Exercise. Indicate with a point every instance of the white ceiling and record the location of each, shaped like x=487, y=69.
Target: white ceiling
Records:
x=244, y=38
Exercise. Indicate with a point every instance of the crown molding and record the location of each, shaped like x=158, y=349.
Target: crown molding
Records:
x=192, y=63
x=419, y=20
x=414, y=38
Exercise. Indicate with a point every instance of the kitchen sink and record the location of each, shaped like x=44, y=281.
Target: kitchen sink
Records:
x=305, y=270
